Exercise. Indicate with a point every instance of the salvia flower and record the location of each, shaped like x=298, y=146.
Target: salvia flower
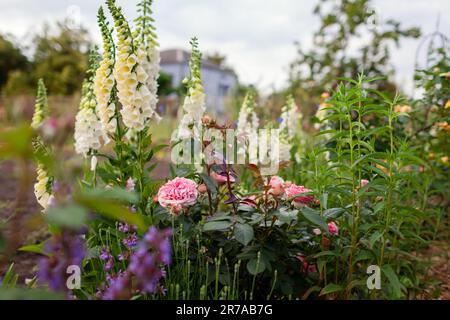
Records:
x=146, y=267
x=130, y=241
x=148, y=261
x=62, y=250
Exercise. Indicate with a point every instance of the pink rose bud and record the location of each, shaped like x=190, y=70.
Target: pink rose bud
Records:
x=333, y=228
x=293, y=190
x=276, y=184
x=202, y=188
x=317, y=231
x=364, y=182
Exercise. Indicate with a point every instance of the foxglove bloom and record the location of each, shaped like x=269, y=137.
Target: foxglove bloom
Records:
x=88, y=128
x=136, y=99
x=178, y=193
x=42, y=187
x=148, y=52
x=41, y=106
x=248, y=121
x=104, y=81
x=194, y=104
x=288, y=127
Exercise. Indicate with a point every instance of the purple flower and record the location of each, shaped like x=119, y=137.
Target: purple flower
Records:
x=148, y=261
x=130, y=241
x=62, y=250
x=104, y=254
x=124, y=227
x=146, y=266
x=119, y=287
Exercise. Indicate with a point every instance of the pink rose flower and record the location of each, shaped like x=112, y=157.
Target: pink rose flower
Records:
x=177, y=194
x=364, y=182
x=333, y=228
x=276, y=184
x=292, y=190
x=317, y=231
x=306, y=266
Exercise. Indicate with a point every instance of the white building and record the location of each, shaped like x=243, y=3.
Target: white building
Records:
x=219, y=82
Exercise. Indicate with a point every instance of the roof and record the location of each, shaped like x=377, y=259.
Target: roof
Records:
x=175, y=56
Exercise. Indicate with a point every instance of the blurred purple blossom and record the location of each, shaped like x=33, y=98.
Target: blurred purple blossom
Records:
x=62, y=250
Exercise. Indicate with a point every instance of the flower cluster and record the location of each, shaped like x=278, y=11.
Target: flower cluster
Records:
x=42, y=187
x=89, y=133
x=41, y=106
x=62, y=250
x=148, y=52
x=289, y=191
x=137, y=100
x=153, y=253
x=177, y=194
x=146, y=266
x=104, y=80
x=194, y=104
x=288, y=127
x=248, y=121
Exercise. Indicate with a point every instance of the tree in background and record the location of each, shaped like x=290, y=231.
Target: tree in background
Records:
x=12, y=60
x=61, y=59
x=339, y=50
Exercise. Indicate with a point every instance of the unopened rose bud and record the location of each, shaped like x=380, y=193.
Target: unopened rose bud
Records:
x=206, y=119
x=202, y=188
x=326, y=242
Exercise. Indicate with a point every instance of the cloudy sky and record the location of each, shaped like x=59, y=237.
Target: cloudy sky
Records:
x=257, y=36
